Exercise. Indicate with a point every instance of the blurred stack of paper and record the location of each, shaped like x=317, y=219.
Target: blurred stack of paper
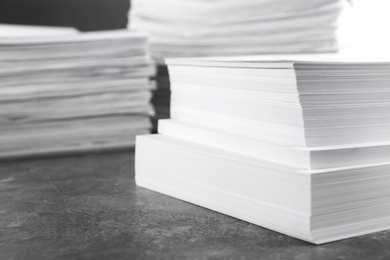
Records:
x=299, y=144
x=64, y=91
x=195, y=28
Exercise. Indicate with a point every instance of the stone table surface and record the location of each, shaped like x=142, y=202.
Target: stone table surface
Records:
x=88, y=207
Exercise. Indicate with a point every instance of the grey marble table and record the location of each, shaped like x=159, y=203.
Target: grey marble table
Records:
x=88, y=207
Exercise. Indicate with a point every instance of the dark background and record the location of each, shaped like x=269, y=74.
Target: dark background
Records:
x=85, y=15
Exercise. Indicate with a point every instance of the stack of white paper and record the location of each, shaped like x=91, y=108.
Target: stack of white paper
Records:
x=229, y=27
x=195, y=28
x=299, y=144
x=64, y=91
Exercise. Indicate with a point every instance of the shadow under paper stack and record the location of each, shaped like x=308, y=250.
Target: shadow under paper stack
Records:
x=161, y=96
x=63, y=91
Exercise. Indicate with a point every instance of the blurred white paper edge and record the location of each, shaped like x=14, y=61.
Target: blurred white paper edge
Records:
x=11, y=31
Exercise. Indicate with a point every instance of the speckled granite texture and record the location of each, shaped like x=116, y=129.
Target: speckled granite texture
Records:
x=88, y=207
